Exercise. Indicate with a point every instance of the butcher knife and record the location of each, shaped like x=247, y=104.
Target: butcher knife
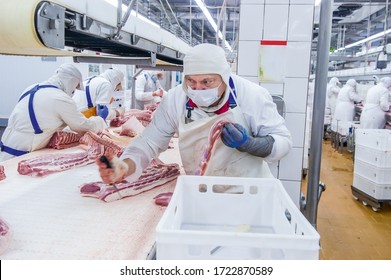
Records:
x=108, y=165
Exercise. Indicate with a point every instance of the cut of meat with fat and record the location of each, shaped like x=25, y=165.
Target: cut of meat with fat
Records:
x=163, y=199
x=94, y=145
x=214, y=134
x=156, y=174
x=5, y=236
x=2, y=173
x=63, y=140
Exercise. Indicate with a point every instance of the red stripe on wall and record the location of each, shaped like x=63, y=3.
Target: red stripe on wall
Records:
x=273, y=43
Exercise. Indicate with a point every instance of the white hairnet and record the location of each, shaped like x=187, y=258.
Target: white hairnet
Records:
x=114, y=76
x=334, y=81
x=70, y=77
x=206, y=59
x=351, y=82
x=386, y=81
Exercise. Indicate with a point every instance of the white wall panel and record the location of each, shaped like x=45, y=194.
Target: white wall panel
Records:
x=298, y=59
x=276, y=22
x=300, y=22
x=293, y=188
x=248, y=58
x=290, y=167
x=295, y=122
x=251, y=25
x=274, y=88
x=295, y=94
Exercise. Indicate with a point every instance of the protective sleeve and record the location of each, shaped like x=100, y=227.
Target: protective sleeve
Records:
x=384, y=104
x=142, y=92
x=77, y=121
x=354, y=96
x=156, y=136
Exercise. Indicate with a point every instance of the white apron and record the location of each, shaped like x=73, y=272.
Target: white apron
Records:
x=224, y=161
x=373, y=117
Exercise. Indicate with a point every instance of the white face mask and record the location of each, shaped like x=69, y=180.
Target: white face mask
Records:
x=204, y=97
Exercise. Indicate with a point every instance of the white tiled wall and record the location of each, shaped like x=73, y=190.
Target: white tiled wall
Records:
x=289, y=21
x=275, y=26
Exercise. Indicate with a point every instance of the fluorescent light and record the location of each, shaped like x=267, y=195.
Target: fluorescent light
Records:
x=370, y=38
x=212, y=22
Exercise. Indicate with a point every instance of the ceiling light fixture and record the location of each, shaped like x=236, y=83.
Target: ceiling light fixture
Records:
x=209, y=17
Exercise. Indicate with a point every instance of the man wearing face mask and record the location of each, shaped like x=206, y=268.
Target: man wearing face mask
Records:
x=254, y=135
x=148, y=89
x=99, y=90
x=43, y=109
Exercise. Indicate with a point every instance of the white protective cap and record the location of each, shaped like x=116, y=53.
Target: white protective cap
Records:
x=334, y=81
x=114, y=76
x=386, y=81
x=206, y=59
x=70, y=77
x=351, y=82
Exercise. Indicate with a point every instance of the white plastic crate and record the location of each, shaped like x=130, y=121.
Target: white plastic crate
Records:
x=259, y=221
x=379, y=175
x=377, y=191
x=372, y=156
x=379, y=139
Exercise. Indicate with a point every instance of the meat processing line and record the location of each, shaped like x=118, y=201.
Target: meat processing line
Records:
x=358, y=110
x=50, y=219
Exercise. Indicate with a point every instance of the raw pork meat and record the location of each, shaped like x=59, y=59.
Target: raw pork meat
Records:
x=2, y=173
x=132, y=127
x=5, y=236
x=63, y=139
x=156, y=174
x=93, y=144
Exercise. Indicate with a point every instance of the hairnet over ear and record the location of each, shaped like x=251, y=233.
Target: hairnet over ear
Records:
x=351, y=82
x=207, y=59
x=70, y=77
x=114, y=76
x=334, y=81
x=386, y=81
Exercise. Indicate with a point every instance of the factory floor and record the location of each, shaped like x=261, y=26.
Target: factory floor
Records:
x=348, y=229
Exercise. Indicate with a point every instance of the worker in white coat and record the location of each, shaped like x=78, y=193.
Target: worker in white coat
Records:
x=376, y=104
x=333, y=88
x=43, y=109
x=254, y=132
x=347, y=97
x=148, y=89
x=98, y=94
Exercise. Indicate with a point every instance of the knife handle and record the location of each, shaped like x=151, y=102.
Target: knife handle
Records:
x=105, y=160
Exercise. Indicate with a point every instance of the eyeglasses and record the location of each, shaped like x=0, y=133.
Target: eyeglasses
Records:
x=205, y=83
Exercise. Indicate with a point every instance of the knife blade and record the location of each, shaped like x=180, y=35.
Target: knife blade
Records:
x=108, y=165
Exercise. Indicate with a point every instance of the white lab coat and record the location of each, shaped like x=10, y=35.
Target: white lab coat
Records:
x=344, y=110
x=331, y=98
x=54, y=110
x=257, y=106
x=144, y=89
x=101, y=91
x=372, y=115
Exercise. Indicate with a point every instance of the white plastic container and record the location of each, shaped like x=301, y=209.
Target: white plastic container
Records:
x=379, y=139
x=377, y=191
x=259, y=221
x=372, y=156
x=378, y=175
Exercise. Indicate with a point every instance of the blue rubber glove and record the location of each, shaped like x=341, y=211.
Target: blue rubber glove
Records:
x=102, y=111
x=235, y=136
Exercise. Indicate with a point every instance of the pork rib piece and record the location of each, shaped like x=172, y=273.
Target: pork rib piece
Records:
x=156, y=174
x=132, y=127
x=63, y=139
x=144, y=116
x=5, y=236
x=2, y=173
x=214, y=134
x=93, y=144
